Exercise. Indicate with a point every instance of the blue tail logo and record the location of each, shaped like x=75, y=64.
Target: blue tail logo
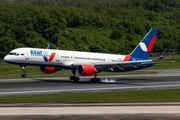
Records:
x=143, y=49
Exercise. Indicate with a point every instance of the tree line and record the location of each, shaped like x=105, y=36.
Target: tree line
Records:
x=156, y=5
x=108, y=29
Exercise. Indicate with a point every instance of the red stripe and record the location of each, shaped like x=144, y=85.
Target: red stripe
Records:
x=127, y=57
x=151, y=44
x=52, y=57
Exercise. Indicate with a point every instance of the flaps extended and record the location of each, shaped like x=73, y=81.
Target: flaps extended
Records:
x=122, y=63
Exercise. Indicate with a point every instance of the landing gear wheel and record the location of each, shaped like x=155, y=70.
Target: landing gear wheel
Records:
x=98, y=80
x=76, y=79
x=72, y=77
x=23, y=75
x=92, y=80
x=95, y=80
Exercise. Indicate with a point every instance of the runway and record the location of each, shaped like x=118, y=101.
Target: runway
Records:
x=57, y=85
x=128, y=111
x=92, y=112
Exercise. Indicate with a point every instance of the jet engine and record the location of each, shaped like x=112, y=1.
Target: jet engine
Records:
x=48, y=69
x=86, y=70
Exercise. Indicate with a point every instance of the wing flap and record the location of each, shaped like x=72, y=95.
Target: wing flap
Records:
x=119, y=65
x=129, y=63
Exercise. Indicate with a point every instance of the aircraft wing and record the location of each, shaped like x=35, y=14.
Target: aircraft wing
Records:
x=123, y=63
x=119, y=65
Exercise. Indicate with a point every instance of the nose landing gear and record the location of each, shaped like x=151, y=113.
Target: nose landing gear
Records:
x=23, y=70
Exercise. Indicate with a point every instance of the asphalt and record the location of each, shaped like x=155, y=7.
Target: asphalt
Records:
x=96, y=111
x=58, y=85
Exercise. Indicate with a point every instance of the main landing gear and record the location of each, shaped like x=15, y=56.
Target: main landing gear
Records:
x=76, y=79
x=95, y=80
x=23, y=70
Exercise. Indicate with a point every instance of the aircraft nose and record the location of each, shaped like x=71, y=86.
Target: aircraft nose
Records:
x=7, y=58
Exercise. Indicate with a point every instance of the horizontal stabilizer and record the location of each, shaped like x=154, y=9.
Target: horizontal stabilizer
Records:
x=162, y=55
x=158, y=62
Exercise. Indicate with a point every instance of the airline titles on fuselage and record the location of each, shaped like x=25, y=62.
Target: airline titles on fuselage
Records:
x=45, y=53
x=39, y=53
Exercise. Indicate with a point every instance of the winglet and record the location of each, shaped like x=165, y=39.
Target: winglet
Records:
x=49, y=46
x=162, y=55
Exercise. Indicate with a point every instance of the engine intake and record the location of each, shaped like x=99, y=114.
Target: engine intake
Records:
x=86, y=70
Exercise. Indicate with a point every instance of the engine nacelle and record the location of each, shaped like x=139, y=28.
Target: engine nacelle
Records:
x=86, y=70
x=48, y=69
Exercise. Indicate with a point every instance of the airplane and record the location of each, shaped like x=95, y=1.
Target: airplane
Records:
x=85, y=63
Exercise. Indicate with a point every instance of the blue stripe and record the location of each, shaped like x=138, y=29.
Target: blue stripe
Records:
x=45, y=59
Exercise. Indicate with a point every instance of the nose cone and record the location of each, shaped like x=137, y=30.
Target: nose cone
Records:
x=7, y=58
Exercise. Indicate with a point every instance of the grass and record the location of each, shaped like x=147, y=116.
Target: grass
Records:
x=167, y=95
x=14, y=71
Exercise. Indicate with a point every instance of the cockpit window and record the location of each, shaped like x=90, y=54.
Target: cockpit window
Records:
x=14, y=53
x=11, y=53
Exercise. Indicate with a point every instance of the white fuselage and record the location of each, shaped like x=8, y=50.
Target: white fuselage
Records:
x=63, y=58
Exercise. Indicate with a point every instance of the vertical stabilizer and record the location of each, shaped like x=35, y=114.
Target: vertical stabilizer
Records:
x=143, y=49
x=49, y=46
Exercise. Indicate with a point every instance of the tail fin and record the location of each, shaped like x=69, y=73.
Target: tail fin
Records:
x=143, y=49
x=49, y=46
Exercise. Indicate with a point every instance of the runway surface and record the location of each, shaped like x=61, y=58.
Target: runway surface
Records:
x=90, y=110
x=128, y=111
x=36, y=86
x=93, y=112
